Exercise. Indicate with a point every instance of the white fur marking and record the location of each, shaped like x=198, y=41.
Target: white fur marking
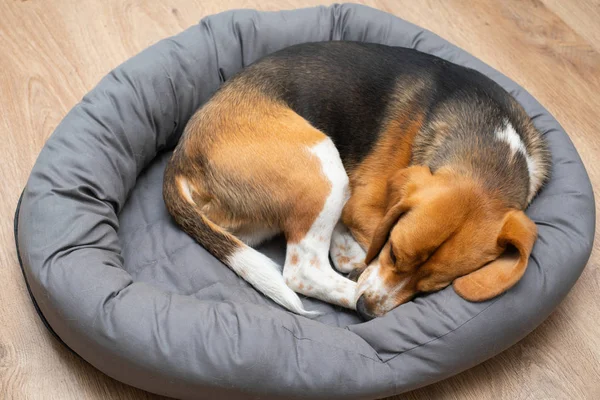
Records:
x=512, y=138
x=370, y=280
x=372, y=285
x=535, y=178
x=307, y=269
x=390, y=300
x=185, y=189
x=332, y=168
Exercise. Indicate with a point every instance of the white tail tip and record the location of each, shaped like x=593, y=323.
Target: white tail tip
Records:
x=262, y=273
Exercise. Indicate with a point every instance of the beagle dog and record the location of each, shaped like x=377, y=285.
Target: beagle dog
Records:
x=411, y=172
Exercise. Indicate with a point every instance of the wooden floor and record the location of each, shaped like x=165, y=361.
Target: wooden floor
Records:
x=52, y=52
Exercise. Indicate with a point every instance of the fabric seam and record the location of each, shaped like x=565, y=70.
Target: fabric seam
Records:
x=378, y=361
x=447, y=333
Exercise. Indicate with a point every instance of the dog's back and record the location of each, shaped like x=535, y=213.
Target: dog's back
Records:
x=352, y=91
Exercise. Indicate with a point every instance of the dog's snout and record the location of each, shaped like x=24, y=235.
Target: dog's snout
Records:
x=361, y=308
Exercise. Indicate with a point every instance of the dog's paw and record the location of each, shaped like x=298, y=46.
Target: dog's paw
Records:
x=345, y=252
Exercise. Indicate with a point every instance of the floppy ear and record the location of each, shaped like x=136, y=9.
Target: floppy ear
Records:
x=396, y=206
x=517, y=237
x=383, y=230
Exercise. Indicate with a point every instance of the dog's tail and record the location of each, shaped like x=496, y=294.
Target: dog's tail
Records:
x=257, y=269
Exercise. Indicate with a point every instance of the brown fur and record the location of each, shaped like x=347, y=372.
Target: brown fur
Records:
x=392, y=153
x=247, y=184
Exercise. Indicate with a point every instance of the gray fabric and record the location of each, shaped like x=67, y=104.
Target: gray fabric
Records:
x=132, y=294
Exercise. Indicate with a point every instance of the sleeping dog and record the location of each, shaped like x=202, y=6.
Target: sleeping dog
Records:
x=410, y=172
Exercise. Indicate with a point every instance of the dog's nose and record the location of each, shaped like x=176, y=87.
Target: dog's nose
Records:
x=361, y=309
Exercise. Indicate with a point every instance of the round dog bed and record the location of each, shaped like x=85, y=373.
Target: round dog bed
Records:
x=128, y=291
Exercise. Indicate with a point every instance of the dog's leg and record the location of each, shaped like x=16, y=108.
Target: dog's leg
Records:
x=346, y=253
x=307, y=269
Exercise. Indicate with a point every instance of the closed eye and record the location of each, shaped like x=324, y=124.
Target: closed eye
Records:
x=392, y=255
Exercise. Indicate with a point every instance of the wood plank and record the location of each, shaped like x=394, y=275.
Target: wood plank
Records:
x=582, y=18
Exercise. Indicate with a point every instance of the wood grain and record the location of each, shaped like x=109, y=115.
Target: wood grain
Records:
x=52, y=53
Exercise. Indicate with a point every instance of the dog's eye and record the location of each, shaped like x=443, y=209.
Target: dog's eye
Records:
x=392, y=255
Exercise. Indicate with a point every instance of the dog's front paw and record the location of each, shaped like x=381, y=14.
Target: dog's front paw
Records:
x=347, y=264
x=345, y=252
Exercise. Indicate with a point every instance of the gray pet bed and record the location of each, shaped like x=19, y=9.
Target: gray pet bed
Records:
x=128, y=291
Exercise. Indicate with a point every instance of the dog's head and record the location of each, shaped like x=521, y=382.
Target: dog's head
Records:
x=438, y=229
